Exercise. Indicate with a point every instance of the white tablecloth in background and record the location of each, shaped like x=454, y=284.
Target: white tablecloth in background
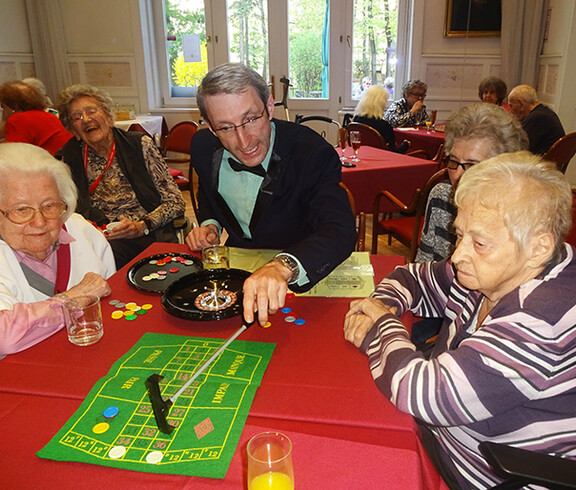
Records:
x=152, y=124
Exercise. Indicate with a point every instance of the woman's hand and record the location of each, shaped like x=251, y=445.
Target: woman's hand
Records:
x=361, y=317
x=93, y=284
x=127, y=229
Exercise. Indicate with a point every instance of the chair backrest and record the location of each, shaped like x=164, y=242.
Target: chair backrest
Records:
x=360, y=220
x=562, y=151
x=368, y=135
x=301, y=119
x=179, y=137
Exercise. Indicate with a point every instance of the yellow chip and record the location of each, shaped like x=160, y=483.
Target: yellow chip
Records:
x=146, y=306
x=100, y=428
x=127, y=312
x=117, y=314
x=268, y=325
x=131, y=306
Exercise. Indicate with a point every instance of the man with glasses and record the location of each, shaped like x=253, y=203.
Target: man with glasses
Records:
x=270, y=184
x=410, y=109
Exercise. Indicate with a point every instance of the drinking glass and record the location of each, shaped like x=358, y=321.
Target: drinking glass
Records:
x=428, y=124
x=343, y=141
x=356, y=142
x=270, y=462
x=433, y=115
x=83, y=319
x=216, y=257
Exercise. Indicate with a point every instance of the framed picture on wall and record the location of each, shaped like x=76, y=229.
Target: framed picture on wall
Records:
x=473, y=18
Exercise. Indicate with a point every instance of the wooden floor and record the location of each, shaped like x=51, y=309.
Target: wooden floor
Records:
x=396, y=248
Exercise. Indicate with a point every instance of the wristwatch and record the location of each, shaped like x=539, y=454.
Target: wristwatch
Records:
x=289, y=263
x=146, y=230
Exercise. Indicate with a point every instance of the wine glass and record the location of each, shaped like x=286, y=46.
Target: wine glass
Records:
x=433, y=115
x=356, y=142
x=428, y=124
x=343, y=141
x=270, y=462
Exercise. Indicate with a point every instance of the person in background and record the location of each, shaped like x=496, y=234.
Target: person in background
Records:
x=39, y=85
x=389, y=86
x=121, y=176
x=48, y=254
x=271, y=184
x=473, y=133
x=542, y=124
x=410, y=109
x=503, y=368
x=370, y=109
x=493, y=90
x=25, y=119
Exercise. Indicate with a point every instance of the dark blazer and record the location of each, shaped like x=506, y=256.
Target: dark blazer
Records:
x=543, y=128
x=301, y=207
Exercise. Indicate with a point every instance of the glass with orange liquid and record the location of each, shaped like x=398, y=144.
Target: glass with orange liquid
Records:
x=270, y=462
x=356, y=142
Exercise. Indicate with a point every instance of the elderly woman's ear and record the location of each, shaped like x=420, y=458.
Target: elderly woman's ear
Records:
x=541, y=248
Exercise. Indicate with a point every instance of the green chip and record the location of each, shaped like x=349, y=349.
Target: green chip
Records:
x=141, y=312
x=131, y=317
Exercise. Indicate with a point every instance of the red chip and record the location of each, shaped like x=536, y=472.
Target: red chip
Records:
x=179, y=259
x=160, y=263
x=174, y=269
x=290, y=295
x=167, y=259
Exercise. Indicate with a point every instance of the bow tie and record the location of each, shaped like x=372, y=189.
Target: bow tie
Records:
x=240, y=167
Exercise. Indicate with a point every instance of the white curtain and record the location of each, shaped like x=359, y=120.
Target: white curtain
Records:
x=48, y=45
x=523, y=24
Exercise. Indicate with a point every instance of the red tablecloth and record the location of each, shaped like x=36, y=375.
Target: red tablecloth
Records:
x=420, y=139
x=381, y=169
x=316, y=384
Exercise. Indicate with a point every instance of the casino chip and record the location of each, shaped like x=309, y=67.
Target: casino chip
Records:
x=117, y=452
x=111, y=412
x=154, y=457
x=100, y=428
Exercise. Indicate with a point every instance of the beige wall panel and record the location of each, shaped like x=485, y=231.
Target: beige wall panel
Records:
x=450, y=81
x=75, y=72
x=14, y=33
x=106, y=74
x=7, y=71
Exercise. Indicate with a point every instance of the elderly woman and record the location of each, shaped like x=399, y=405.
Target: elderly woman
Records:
x=121, y=176
x=47, y=253
x=25, y=119
x=370, y=110
x=410, y=109
x=474, y=133
x=503, y=367
x=493, y=90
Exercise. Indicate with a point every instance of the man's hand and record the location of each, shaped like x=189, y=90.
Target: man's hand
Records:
x=265, y=291
x=361, y=317
x=202, y=237
x=93, y=284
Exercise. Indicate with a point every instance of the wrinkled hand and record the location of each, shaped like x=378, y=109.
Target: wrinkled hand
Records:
x=265, y=291
x=93, y=284
x=362, y=316
x=126, y=229
x=202, y=237
x=416, y=107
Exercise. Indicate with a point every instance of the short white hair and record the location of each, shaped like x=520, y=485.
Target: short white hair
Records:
x=28, y=161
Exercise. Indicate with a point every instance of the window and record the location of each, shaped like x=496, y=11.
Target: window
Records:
x=325, y=47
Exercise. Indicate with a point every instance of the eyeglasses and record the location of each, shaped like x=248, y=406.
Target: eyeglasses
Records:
x=454, y=164
x=24, y=214
x=87, y=111
x=248, y=124
x=418, y=95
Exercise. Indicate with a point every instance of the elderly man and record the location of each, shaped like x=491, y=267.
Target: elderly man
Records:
x=503, y=367
x=540, y=122
x=271, y=184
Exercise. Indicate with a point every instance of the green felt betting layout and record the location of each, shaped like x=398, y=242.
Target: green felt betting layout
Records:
x=115, y=424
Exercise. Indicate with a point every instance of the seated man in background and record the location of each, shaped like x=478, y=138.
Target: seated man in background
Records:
x=47, y=252
x=503, y=367
x=271, y=184
x=542, y=124
x=410, y=109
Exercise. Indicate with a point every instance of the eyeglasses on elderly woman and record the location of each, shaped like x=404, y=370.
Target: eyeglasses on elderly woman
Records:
x=20, y=215
x=452, y=164
x=90, y=111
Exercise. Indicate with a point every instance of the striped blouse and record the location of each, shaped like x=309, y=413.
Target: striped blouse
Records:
x=513, y=380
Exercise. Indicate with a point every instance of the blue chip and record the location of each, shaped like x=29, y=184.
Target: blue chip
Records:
x=111, y=412
x=286, y=310
x=299, y=321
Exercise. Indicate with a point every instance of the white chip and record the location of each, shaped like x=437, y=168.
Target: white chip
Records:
x=289, y=319
x=146, y=278
x=117, y=452
x=153, y=262
x=154, y=457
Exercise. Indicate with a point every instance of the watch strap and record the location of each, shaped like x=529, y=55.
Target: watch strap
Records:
x=289, y=263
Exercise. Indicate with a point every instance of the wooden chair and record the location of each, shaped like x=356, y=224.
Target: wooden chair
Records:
x=360, y=221
x=368, y=135
x=178, y=141
x=424, y=155
x=407, y=229
x=562, y=151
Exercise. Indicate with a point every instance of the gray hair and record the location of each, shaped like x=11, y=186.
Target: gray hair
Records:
x=530, y=194
x=29, y=161
x=486, y=121
x=231, y=78
x=525, y=92
x=39, y=85
x=70, y=94
x=410, y=85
